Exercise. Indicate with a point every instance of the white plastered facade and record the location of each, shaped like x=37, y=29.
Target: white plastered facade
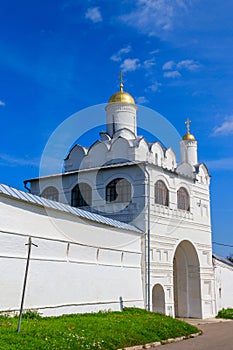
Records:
x=223, y=277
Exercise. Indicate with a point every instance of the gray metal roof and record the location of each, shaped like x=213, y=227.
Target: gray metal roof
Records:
x=66, y=173
x=222, y=259
x=31, y=198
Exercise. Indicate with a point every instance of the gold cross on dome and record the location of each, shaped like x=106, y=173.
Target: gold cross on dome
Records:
x=187, y=122
x=121, y=80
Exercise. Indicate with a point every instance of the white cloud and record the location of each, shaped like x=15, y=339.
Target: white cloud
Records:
x=183, y=4
x=220, y=164
x=149, y=63
x=169, y=65
x=118, y=56
x=190, y=65
x=16, y=161
x=153, y=52
x=94, y=14
x=225, y=129
x=141, y=100
x=48, y=165
x=67, y=4
x=2, y=103
x=130, y=64
x=154, y=17
x=155, y=86
x=172, y=74
x=172, y=69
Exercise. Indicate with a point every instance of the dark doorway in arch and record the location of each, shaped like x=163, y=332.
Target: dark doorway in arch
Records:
x=186, y=281
x=158, y=299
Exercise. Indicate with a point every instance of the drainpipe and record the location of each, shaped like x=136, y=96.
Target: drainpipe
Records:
x=148, y=239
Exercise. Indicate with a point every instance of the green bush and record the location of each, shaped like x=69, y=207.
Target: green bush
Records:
x=225, y=313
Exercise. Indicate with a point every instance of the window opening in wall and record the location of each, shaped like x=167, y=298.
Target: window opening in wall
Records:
x=50, y=193
x=81, y=195
x=183, y=201
x=161, y=193
x=118, y=191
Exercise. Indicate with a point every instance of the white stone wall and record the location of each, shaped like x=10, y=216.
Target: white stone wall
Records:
x=78, y=266
x=223, y=284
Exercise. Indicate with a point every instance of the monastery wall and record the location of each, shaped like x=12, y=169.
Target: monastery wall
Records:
x=78, y=266
x=223, y=284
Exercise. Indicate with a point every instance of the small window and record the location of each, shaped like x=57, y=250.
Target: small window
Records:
x=81, y=195
x=50, y=193
x=161, y=193
x=118, y=191
x=183, y=201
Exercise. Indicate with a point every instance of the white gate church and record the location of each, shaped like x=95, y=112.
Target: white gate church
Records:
x=128, y=222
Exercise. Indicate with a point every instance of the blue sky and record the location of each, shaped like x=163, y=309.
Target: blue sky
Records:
x=60, y=56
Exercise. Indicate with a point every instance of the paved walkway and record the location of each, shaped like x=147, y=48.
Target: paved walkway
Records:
x=217, y=335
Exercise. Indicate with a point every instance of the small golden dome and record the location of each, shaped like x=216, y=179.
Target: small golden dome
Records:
x=189, y=137
x=121, y=97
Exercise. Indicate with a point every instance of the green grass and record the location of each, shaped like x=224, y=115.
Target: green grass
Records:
x=225, y=313
x=103, y=330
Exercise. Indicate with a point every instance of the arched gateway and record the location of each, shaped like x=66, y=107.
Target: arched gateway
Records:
x=186, y=270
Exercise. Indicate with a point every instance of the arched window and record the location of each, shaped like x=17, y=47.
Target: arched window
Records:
x=81, y=195
x=50, y=193
x=183, y=201
x=118, y=191
x=161, y=193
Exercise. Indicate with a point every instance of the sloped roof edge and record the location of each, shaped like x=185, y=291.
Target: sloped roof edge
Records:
x=223, y=260
x=43, y=202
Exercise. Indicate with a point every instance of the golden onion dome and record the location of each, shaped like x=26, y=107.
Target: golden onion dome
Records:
x=189, y=137
x=121, y=96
